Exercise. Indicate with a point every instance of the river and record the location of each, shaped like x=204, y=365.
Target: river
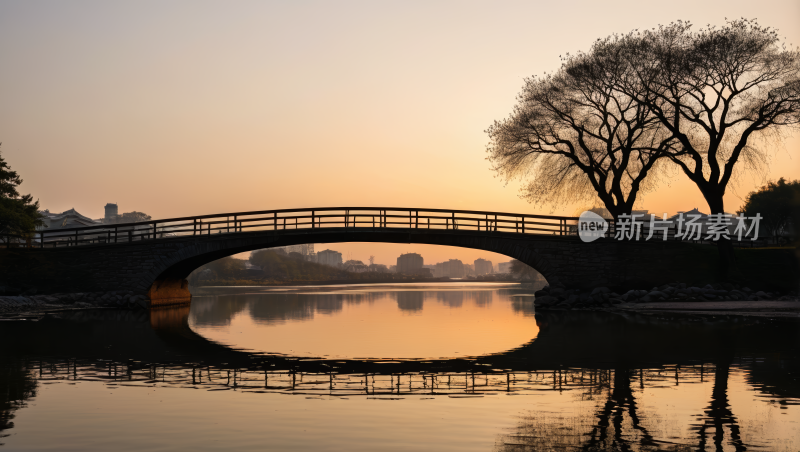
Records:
x=459, y=366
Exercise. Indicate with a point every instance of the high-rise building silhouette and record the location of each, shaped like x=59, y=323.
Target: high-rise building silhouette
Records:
x=453, y=268
x=329, y=257
x=410, y=263
x=483, y=267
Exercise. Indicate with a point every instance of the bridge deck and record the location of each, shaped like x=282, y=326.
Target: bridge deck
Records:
x=293, y=219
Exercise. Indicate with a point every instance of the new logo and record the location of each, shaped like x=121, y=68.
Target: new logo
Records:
x=591, y=226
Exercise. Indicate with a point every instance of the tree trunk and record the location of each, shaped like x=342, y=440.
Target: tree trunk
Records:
x=727, y=257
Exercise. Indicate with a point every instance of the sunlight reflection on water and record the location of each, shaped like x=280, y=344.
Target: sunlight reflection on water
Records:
x=127, y=380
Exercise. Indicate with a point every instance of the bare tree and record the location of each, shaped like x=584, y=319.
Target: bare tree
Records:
x=575, y=135
x=724, y=93
x=719, y=91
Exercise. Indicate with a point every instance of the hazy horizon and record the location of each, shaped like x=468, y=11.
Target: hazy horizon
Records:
x=190, y=108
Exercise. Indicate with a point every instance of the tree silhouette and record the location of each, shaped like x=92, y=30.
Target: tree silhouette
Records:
x=779, y=205
x=723, y=93
x=575, y=136
x=19, y=214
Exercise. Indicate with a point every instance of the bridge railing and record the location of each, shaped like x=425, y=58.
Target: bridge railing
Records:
x=290, y=219
x=311, y=219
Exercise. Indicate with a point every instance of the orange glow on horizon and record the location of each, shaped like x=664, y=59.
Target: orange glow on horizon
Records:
x=203, y=109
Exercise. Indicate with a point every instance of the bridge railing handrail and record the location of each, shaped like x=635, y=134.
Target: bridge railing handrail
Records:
x=276, y=219
x=310, y=218
x=318, y=209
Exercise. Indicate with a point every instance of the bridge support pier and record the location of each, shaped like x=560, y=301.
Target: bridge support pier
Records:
x=169, y=292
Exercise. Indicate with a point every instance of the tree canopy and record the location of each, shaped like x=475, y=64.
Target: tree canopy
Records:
x=19, y=214
x=778, y=203
x=277, y=264
x=134, y=217
x=724, y=93
x=575, y=136
x=603, y=124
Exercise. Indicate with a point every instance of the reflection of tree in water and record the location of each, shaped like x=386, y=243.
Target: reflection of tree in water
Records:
x=609, y=432
x=618, y=425
x=409, y=301
x=16, y=387
x=719, y=414
x=217, y=310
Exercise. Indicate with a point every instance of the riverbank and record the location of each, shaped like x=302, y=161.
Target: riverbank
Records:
x=37, y=305
x=676, y=298
x=770, y=309
x=335, y=282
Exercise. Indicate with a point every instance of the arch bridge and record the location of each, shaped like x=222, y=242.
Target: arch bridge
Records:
x=155, y=257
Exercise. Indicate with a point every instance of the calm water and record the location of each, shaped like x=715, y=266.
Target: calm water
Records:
x=411, y=367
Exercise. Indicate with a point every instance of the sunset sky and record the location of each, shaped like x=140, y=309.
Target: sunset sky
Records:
x=183, y=108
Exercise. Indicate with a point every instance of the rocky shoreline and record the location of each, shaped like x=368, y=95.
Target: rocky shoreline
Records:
x=38, y=303
x=560, y=298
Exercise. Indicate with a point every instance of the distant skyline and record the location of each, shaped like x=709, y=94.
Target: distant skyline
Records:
x=186, y=108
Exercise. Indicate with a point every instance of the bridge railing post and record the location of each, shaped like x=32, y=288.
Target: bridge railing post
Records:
x=523, y=225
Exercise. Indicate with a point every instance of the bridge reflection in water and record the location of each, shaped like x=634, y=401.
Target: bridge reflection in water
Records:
x=637, y=355
x=350, y=384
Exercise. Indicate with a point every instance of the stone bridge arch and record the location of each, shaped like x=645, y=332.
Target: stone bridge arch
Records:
x=166, y=280
x=158, y=267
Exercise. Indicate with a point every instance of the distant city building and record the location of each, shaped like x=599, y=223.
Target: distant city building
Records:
x=504, y=267
x=469, y=270
x=112, y=213
x=67, y=219
x=453, y=268
x=355, y=266
x=329, y=257
x=378, y=268
x=307, y=250
x=409, y=263
x=483, y=267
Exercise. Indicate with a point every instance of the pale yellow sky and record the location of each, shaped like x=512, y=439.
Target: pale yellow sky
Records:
x=183, y=108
